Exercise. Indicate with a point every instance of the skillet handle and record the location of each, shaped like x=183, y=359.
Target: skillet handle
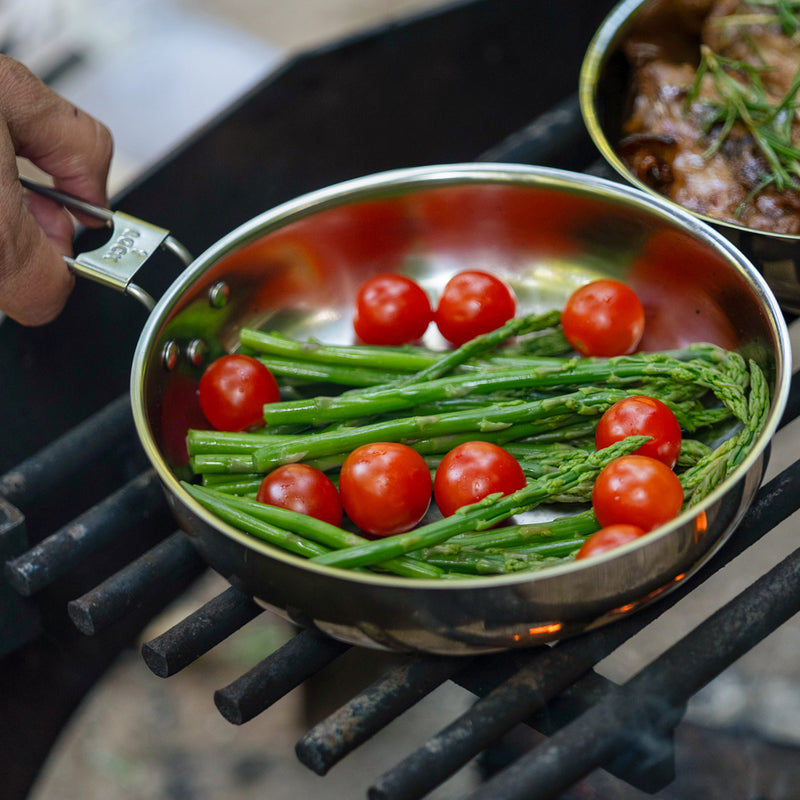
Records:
x=131, y=243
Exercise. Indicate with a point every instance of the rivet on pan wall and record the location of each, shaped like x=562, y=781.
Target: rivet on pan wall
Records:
x=169, y=354
x=196, y=352
x=218, y=294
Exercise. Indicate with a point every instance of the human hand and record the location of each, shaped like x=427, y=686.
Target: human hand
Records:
x=35, y=233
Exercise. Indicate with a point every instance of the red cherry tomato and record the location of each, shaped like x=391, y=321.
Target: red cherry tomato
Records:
x=472, y=303
x=385, y=487
x=640, y=415
x=603, y=318
x=234, y=390
x=473, y=470
x=302, y=488
x=636, y=490
x=391, y=309
x=607, y=539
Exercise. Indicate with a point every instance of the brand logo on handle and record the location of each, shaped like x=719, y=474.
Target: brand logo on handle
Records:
x=123, y=245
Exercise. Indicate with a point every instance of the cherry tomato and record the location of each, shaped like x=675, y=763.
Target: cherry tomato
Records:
x=234, y=390
x=636, y=490
x=302, y=488
x=473, y=470
x=640, y=415
x=607, y=539
x=391, y=309
x=472, y=303
x=385, y=487
x=603, y=318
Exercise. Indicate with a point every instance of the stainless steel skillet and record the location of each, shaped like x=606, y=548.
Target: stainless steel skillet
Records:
x=296, y=268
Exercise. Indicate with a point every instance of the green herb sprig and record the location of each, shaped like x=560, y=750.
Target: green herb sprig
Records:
x=741, y=99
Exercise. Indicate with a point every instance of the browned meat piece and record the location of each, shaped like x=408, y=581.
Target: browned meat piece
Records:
x=704, y=185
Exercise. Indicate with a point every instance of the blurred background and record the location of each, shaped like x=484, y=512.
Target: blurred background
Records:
x=109, y=56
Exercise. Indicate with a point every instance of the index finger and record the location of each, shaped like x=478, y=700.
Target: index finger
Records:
x=75, y=149
x=60, y=138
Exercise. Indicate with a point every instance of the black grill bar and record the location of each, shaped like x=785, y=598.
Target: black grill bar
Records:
x=529, y=689
x=397, y=690
x=74, y=451
x=144, y=580
x=198, y=633
x=652, y=701
x=301, y=657
x=638, y=765
x=65, y=549
x=20, y=621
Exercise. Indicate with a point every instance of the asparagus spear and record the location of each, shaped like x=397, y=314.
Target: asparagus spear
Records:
x=428, y=386
x=574, y=525
x=483, y=563
x=589, y=401
x=273, y=524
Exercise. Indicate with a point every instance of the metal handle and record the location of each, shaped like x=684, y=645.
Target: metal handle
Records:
x=132, y=242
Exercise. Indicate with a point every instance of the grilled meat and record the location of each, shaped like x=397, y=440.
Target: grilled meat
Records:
x=672, y=142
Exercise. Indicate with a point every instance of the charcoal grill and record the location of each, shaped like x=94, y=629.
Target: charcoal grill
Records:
x=92, y=555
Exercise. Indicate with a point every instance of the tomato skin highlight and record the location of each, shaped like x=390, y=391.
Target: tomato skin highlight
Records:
x=385, y=488
x=636, y=490
x=391, y=309
x=234, y=390
x=640, y=415
x=302, y=488
x=603, y=318
x=608, y=538
x=473, y=470
x=472, y=303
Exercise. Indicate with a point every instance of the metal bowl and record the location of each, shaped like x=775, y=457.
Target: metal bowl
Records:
x=297, y=267
x=604, y=91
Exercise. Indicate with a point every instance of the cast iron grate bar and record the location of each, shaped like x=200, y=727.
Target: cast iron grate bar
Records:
x=355, y=722
x=74, y=451
x=65, y=549
x=301, y=657
x=199, y=632
x=141, y=582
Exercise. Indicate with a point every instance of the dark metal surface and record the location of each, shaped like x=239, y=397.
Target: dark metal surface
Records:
x=199, y=632
x=136, y=585
x=399, y=688
x=64, y=550
x=19, y=619
x=300, y=658
x=75, y=450
x=651, y=703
